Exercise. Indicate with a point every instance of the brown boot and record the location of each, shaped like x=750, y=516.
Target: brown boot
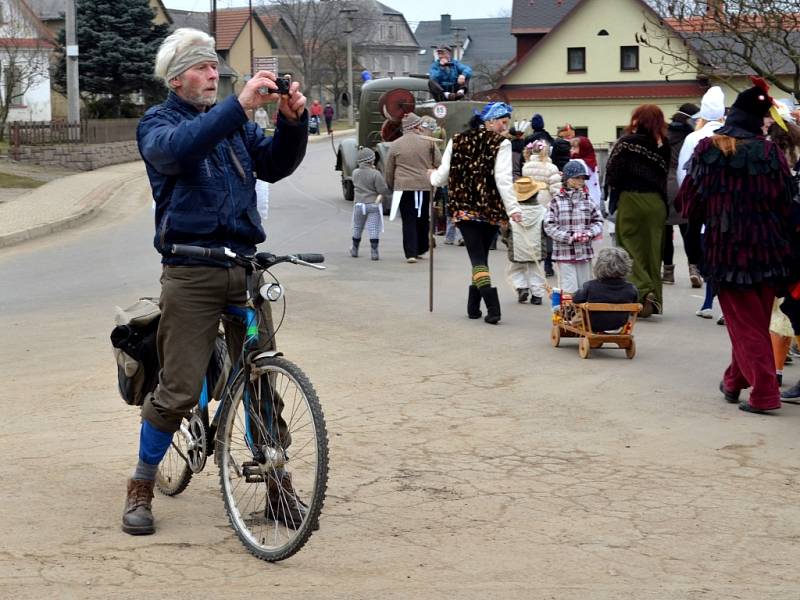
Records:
x=694, y=276
x=283, y=503
x=138, y=516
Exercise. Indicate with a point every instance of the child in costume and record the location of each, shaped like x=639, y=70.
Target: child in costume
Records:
x=369, y=187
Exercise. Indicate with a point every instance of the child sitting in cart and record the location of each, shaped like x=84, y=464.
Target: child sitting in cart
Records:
x=611, y=267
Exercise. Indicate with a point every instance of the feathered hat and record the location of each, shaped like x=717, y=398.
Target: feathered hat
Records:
x=748, y=111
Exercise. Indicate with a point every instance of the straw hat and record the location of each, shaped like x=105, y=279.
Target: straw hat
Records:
x=525, y=187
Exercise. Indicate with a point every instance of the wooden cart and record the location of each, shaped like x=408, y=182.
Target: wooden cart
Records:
x=574, y=320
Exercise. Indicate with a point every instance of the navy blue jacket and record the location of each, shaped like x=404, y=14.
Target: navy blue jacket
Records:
x=202, y=168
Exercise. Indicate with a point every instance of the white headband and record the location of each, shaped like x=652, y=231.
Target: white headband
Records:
x=189, y=57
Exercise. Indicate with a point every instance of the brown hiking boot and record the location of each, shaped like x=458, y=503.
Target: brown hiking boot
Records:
x=138, y=516
x=283, y=504
x=694, y=276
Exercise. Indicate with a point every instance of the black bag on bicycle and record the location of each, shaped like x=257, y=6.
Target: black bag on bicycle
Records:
x=134, y=342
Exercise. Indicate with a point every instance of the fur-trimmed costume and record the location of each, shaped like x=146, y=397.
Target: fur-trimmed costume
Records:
x=471, y=171
x=744, y=200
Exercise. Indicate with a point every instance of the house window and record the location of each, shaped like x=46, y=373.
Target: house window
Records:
x=18, y=90
x=581, y=131
x=391, y=32
x=620, y=130
x=376, y=63
x=576, y=60
x=629, y=58
x=406, y=70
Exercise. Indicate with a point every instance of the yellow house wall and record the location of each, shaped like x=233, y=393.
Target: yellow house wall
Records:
x=621, y=18
x=601, y=117
x=239, y=57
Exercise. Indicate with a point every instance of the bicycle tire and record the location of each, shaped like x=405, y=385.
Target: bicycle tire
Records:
x=252, y=509
x=173, y=473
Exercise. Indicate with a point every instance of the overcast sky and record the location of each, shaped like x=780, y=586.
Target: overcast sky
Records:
x=413, y=10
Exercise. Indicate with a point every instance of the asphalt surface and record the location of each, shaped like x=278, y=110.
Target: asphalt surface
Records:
x=467, y=460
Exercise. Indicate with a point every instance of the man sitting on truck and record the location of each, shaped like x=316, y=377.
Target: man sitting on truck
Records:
x=448, y=78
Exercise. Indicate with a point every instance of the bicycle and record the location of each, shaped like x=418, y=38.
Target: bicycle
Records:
x=268, y=420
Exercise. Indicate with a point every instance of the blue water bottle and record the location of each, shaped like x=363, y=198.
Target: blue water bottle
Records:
x=555, y=299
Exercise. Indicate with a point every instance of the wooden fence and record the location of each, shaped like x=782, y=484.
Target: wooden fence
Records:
x=90, y=131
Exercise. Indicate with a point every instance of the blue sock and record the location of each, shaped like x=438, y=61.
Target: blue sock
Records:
x=709, y=299
x=153, y=444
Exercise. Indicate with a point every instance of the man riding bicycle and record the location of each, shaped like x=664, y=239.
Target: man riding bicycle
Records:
x=203, y=159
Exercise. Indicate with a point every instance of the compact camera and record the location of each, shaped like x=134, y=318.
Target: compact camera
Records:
x=283, y=84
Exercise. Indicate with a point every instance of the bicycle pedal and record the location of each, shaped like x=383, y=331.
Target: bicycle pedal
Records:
x=252, y=472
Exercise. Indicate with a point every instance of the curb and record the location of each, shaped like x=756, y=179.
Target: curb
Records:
x=96, y=200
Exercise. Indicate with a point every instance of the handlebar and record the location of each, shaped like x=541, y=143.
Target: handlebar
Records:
x=264, y=260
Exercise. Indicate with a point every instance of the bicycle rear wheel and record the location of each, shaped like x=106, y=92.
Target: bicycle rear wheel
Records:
x=272, y=451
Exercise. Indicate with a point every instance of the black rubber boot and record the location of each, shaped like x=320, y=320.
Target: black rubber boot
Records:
x=474, y=303
x=354, y=249
x=492, y=302
x=373, y=244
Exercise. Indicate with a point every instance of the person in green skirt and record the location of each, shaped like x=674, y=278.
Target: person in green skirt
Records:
x=636, y=174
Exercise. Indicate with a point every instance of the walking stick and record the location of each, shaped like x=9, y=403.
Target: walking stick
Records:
x=431, y=243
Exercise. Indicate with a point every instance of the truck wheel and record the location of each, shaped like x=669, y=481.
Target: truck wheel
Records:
x=347, y=189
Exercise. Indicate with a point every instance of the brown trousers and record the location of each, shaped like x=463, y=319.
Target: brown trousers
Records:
x=192, y=302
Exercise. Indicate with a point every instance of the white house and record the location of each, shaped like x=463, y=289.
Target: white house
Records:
x=25, y=50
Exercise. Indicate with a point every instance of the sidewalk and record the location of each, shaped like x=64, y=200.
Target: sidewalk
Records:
x=68, y=200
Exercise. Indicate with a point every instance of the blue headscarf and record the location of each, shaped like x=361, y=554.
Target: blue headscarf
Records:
x=495, y=110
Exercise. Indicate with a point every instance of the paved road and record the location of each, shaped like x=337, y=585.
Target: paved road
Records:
x=467, y=460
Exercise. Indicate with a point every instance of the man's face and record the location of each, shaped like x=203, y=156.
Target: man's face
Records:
x=198, y=84
x=444, y=56
x=498, y=125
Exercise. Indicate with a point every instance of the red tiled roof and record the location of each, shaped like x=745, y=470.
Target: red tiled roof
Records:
x=682, y=89
x=230, y=23
x=25, y=43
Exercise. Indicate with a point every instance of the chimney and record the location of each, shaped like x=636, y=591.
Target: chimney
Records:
x=445, y=25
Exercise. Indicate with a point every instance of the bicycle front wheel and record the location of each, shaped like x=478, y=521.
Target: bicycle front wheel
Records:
x=173, y=473
x=272, y=451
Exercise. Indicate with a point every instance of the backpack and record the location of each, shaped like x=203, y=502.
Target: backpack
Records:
x=134, y=344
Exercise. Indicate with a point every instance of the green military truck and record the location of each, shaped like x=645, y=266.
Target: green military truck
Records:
x=383, y=102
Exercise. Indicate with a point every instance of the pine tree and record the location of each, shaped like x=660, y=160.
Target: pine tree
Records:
x=118, y=42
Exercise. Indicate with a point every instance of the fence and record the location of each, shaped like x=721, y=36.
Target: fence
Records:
x=90, y=131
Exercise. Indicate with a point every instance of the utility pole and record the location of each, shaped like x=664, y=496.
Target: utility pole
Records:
x=349, y=31
x=73, y=90
x=212, y=18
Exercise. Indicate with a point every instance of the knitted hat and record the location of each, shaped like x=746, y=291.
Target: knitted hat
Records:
x=537, y=121
x=748, y=111
x=573, y=169
x=712, y=106
x=525, y=187
x=411, y=121
x=365, y=156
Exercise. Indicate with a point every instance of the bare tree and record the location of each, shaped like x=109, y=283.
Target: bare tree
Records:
x=485, y=76
x=319, y=27
x=723, y=39
x=24, y=57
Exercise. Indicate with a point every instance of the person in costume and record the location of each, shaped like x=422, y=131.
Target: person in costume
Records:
x=369, y=186
x=636, y=174
x=524, y=241
x=476, y=167
x=739, y=185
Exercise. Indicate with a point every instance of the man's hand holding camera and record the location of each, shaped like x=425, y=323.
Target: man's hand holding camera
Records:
x=264, y=88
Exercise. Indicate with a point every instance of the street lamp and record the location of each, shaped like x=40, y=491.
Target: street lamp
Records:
x=349, y=31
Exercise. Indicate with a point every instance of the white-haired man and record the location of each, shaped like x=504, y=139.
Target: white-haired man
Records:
x=202, y=159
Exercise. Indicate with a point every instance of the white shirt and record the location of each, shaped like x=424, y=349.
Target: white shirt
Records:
x=689, y=144
x=502, y=175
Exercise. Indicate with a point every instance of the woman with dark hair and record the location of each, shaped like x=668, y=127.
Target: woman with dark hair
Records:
x=637, y=177
x=739, y=185
x=476, y=167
